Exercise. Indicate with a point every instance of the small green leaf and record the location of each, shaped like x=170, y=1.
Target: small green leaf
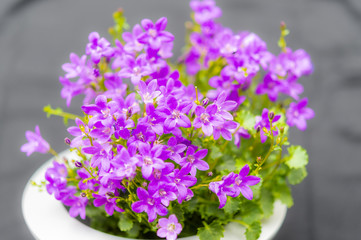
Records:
x=232, y=205
x=266, y=201
x=125, y=224
x=246, y=119
x=178, y=211
x=213, y=231
x=215, y=152
x=297, y=157
x=253, y=231
x=251, y=212
x=283, y=192
x=277, y=148
x=134, y=232
x=297, y=175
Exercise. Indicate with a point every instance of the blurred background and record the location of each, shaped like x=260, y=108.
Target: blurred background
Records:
x=36, y=37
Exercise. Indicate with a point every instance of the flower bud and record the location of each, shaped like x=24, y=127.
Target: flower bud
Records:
x=96, y=72
x=144, y=184
x=205, y=101
x=271, y=115
x=129, y=112
x=110, y=194
x=83, y=194
x=210, y=174
x=67, y=141
x=282, y=130
x=259, y=159
x=258, y=129
x=78, y=164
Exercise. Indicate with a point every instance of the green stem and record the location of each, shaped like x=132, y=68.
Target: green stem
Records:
x=241, y=222
x=53, y=152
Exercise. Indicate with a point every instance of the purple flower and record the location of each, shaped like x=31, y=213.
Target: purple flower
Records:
x=271, y=87
x=164, y=192
x=223, y=189
x=175, y=149
x=207, y=119
x=241, y=132
x=182, y=181
x=194, y=160
x=125, y=164
x=135, y=69
x=141, y=134
x=80, y=132
x=102, y=155
x=242, y=182
x=148, y=93
x=169, y=228
x=264, y=122
x=175, y=113
x=298, y=113
x=77, y=66
x=77, y=206
x=225, y=130
x=121, y=127
x=154, y=34
x=205, y=11
x=35, y=143
x=56, y=177
x=150, y=158
x=152, y=206
x=98, y=47
x=110, y=203
x=224, y=106
x=132, y=45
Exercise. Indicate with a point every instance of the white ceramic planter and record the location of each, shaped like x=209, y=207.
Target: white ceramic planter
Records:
x=47, y=219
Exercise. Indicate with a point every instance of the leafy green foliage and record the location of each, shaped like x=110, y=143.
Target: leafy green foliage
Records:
x=59, y=112
x=251, y=212
x=125, y=223
x=297, y=158
x=283, y=192
x=134, y=231
x=232, y=205
x=297, y=175
x=246, y=119
x=253, y=231
x=213, y=231
x=266, y=202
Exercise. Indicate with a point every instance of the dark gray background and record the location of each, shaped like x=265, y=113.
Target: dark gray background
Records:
x=37, y=36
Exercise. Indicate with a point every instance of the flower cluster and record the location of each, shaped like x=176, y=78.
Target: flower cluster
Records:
x=152, y=139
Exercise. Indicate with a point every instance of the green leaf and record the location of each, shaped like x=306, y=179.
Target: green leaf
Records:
x=266, y=201
x=134, y=232
x=297, y=157
x=246, y=119
x=211, y=209
x=256, y=189
x=125, y=224
x=232, y=205
x=297, y=175
x=253, y=231
x=213, y=231
x=283, y=192
x=251, y=212
x=178, y=211
x=215, y=152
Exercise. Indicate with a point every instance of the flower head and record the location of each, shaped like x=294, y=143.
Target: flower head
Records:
x=298, y=113
x=35, y=143
x=169, y=227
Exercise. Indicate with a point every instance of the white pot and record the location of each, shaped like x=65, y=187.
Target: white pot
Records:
x=47, y=219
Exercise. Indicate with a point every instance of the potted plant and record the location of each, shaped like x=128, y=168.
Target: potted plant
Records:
x=167, y=150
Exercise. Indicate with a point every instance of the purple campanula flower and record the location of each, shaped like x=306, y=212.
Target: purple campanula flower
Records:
x=150, y=158
x=56, y=178
x=126, y=106
x=154, y=34
x=119, y=55
x=240, y=132
x=221, y=84
x=264, y=122
x=205, y=11
x=207, y=119
x=182, y=181
x=125, y=164
x=152, y=206
x=121, y=127
x=141, y=134
x=164, y=192
x=114, y=85
x=270, y=86
x=90, y=183
x=242, y=182
x=98, y=47
x=150, y=92
x=101, y=111
x=109, y=202
x=223, y=189
x=298, y=113
x=135, y=69
x=175, y=114
x=169, y=228
x=194, y=160
x=175, y=149
x=77, y=67
x=225, y=130
x=160, y=176
x=191, y=61
x=153, y=119
x=77, y=206
x=131, y=38
x=292, y=88
x=70, y=89
x=252, y=46
x=224, y=106
x=36, y=143
x=102, y=155
x=101, y=133
x=80, y=132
